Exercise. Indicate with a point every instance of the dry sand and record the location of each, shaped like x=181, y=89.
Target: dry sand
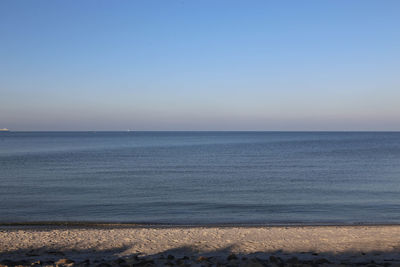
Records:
x=336, y=243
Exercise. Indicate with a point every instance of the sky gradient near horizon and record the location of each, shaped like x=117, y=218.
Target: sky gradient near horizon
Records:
x=200, y=65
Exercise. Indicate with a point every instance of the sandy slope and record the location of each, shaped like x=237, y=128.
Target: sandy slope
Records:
x=81, y=242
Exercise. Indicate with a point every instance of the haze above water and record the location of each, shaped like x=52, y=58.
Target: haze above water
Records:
x=200, y=177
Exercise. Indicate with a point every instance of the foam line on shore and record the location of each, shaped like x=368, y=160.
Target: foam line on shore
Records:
x=183, y=225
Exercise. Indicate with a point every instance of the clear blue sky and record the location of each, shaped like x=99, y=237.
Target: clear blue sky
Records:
x=200, y=65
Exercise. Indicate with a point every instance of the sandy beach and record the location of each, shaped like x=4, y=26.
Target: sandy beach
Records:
x=202, y=246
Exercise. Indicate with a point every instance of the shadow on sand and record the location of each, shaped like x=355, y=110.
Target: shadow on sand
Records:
x=190, y=256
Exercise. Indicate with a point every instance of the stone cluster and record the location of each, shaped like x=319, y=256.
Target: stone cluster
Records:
x=197, y=261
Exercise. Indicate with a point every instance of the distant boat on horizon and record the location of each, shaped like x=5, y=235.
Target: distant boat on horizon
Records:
x=4, y=130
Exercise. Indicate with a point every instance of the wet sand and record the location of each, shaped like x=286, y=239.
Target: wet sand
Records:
x=333, y=244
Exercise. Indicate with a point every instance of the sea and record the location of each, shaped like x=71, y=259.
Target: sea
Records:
x=200, y=178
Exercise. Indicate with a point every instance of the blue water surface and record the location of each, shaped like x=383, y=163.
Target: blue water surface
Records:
x=200, y=177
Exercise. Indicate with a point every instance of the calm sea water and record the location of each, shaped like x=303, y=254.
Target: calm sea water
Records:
x=200, y=177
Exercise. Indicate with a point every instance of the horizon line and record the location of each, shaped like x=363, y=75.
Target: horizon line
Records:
x=201, y=131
